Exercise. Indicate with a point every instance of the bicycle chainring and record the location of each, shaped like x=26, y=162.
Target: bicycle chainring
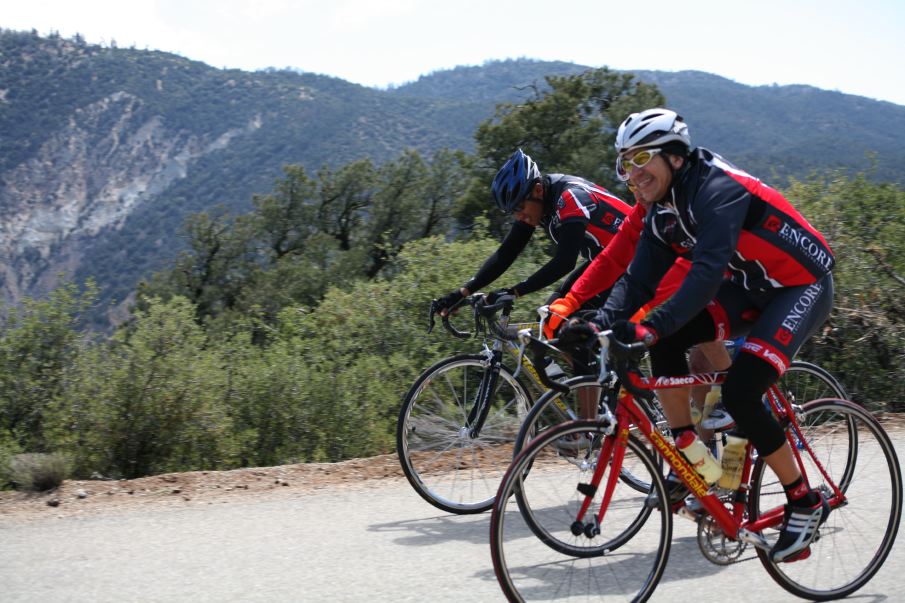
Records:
x=715, y=545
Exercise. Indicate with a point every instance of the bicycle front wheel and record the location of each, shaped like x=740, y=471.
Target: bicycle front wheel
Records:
x=542, y=552
x=859, y=458
x=581, y=401
x=448, y=466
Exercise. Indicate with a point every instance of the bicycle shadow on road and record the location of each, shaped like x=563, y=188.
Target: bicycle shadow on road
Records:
x=430, y=531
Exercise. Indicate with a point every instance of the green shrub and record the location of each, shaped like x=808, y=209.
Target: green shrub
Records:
x=36, y=472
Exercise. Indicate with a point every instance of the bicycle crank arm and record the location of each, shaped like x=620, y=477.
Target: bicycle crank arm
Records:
x=754, y=539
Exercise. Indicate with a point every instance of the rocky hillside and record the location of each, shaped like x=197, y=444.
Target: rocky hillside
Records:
x=105, y=151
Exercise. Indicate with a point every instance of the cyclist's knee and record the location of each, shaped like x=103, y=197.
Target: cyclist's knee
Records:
x=743, y=391
x=709, y=356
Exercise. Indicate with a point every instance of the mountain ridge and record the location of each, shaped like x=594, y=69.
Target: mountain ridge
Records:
x=105, y=151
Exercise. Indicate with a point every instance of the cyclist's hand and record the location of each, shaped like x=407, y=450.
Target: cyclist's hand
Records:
x=494, y=296
x=629, y=332
x=559, y=311
x=578, y=339
x=449, y=302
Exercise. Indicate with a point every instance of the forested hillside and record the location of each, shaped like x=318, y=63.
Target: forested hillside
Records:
x=105, y=151
x=298, y=227
x=289, y=333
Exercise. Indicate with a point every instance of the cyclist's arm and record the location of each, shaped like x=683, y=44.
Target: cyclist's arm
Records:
x=720, y=209
x=612, y=262
x=652, y=260
x=512, y=246
x=570, y=241
x=671, y=282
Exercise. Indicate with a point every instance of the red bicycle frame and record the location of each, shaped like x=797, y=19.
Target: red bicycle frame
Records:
x=733, y=523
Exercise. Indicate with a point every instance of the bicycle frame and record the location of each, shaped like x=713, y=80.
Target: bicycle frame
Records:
x=627, y=413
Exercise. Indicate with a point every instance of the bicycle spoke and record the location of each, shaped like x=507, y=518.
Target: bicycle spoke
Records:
x=537, y=555
x=857, y=535
x=446, y=465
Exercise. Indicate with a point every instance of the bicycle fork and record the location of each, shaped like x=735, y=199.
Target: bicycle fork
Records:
x=481, y=408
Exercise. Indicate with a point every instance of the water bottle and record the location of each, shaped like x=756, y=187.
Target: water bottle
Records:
x=710, y=400
x=733, y=461
x=699, y=456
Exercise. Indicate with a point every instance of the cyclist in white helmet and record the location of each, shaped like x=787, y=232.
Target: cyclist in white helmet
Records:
x=758, y=269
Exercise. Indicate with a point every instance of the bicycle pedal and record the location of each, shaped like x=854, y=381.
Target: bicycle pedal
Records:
x=804, y=554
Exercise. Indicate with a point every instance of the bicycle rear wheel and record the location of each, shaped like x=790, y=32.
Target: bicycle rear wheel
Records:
x=536, y=552
x=804, y=381
x=445, y=465
x=859, y=457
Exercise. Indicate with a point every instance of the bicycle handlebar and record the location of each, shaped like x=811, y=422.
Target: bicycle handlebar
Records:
x=539, y=349
x=610, y=348
x=483, y=315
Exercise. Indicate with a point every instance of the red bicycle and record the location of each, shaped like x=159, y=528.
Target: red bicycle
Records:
x=565, y=527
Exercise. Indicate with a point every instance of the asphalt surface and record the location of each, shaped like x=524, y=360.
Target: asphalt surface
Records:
x=374, y=543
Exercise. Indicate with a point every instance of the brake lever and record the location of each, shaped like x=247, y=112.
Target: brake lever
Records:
x=538, y=349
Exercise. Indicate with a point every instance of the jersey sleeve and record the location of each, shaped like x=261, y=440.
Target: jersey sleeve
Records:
x=671, y=282
x=638, y=285
x=719, y=207
x=612, y=262
x=561, y=264
x=493, y=268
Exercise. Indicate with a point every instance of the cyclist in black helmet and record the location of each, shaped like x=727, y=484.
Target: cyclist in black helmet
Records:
x=580, y=216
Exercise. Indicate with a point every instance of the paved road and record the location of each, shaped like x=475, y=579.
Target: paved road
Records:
x=380, y=543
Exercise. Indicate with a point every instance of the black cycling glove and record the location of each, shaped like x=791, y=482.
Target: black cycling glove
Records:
x=578, y=339
x=449, y=301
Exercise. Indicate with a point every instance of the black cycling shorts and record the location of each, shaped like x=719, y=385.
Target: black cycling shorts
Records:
x=775, y=323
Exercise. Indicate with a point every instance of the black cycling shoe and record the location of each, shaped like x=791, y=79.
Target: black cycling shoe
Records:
x=675, y=489
x=799, y=530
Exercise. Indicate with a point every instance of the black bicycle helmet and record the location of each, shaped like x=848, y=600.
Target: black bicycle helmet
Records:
x=514, y=181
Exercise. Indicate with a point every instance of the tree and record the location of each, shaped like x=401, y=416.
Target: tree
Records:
x=569, y=126
x=215, y=270
x=285, y=219
x=38, y=344
x=344, y=195
x=148, y=401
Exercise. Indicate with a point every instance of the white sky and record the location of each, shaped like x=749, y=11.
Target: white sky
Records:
x=856, y=47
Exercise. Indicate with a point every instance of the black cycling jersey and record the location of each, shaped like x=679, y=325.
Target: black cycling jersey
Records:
x=726, y=222
x=580, y=217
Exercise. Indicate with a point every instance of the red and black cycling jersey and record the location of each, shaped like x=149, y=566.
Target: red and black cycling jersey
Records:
x=581, y=217
x=727, y=223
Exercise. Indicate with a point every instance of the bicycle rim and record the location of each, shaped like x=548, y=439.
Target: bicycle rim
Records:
x=554, y=408
x=857, y=536
x=804, y=381
x=444, y=464
x=537, y=556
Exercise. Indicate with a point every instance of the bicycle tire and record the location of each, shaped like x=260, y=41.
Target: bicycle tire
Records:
x=868, y=521
x=548, y=412
x=446, y=467
x=804, y=381
x=536, y=555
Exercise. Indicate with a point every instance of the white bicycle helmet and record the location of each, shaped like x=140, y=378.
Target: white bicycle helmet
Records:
x=651, y=128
